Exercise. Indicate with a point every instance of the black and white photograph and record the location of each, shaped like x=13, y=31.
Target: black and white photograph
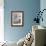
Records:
x=17, y=18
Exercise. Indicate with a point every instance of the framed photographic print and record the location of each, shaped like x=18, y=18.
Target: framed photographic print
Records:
x=17, y=18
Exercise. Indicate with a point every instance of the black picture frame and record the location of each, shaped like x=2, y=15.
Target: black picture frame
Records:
x=17, y=18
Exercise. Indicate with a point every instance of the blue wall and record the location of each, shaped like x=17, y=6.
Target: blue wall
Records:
x=29, y=7
x=43, y=6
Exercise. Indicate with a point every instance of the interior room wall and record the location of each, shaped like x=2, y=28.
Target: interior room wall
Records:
x=43, y=6
x=30, y=7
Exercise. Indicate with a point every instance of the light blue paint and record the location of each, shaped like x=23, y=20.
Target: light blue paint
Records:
x=43, y=6
x=29, y=7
